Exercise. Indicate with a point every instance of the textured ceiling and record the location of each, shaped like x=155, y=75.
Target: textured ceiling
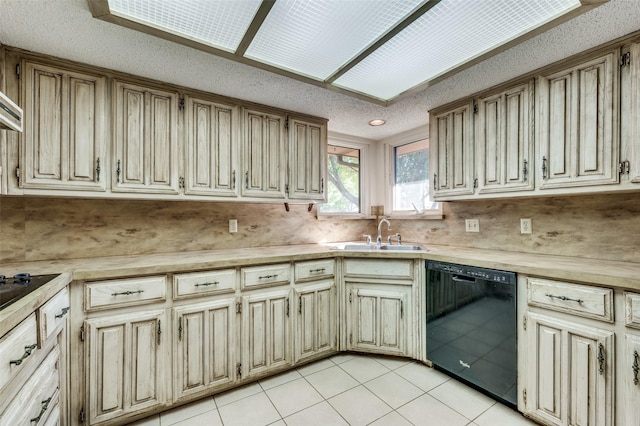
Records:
x=65, y=28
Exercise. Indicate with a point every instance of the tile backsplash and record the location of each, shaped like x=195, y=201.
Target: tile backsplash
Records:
x=34, y=228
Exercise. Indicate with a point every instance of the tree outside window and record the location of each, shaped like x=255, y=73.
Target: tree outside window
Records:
x=343, y=188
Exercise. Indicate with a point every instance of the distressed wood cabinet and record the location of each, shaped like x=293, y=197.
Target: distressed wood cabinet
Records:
x=146, y=139
x=212, y=148
x=504, y=140
x=265, y=154
x=577, y=122
x=630, y=116
x=65, y=137
x=307, y=159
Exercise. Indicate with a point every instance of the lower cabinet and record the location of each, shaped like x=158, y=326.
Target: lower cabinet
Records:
x=315, y=320
x=266, y=329
x=629, y=372
x=204, y=348
x=377, y=318
x=569, y=372
x=126, y=364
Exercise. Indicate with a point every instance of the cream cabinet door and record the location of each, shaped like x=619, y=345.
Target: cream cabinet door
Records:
x=577, y=121
x=65, y=138
x=629, y=372
x=378, y=319
x=315, y=319
x=569, y=372
x=452, y=156
x=504, y=140
x=126, y=364
x=212, y=148
x=266, y=328
x=205, y=346
x=146, y=140
x=630, y=115
x=265, y=154
x=307, y=159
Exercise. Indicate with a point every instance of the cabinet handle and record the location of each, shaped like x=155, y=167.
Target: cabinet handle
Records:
x=287, y=306
x=313, y=271
x=159, y=331
x=553, y=296
x=45, y=405
x=98, y=169
x=206, y=284
x=268, y=277
x=401, y=309
x=180, y=328
x=435, y=182
x=544, y=167
x=321, y=184
x=635, y=368
x=246, y=180
x=27, y=353
x=118, y=170
x=127, y=293
x=524, y=170
x=300, y=307
x=233, y=180
x=601, y=358
x=63, y=312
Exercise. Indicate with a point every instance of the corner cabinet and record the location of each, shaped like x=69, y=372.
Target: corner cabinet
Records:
x=577, y=122
x=65, y=137
x=264, y=162
x=146, y=139
x=307, y=159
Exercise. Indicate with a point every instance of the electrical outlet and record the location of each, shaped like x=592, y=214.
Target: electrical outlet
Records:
x=472, y=225
x=525, y=226
x=233, y=225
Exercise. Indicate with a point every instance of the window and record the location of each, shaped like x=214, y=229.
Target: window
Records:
x=343, y=175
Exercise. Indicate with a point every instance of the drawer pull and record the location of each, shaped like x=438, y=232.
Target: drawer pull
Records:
x=206, y=284
x=313, y=271
x=601, y=358
x=553, y=296
x=63, y=312
x=268, y=277
x=45, y=405
x=635, y=367
x=27, y=352
x=127, y=293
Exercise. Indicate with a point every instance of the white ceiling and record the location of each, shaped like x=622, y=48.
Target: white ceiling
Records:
x=66, y=28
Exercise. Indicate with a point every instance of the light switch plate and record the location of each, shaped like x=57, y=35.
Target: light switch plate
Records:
x=472, y=225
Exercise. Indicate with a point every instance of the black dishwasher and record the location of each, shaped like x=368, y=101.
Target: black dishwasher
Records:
x=471, y=327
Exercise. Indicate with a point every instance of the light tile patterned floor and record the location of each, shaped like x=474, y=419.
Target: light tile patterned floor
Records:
x=347, y=389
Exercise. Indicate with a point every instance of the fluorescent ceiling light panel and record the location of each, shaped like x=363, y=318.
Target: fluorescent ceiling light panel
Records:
x=220, y=24
x=450, y=34
x=315, y=38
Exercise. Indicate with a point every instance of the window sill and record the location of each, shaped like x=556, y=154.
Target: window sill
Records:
x=433, y=215
x=338, y=216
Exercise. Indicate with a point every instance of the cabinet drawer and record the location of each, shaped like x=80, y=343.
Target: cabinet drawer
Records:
x=17, y=349
x=37, y=399
x=53, y=314
x=379, y=268
x=266, y=275
x=201, y=283
x=314, y=269
x=632, y=309
x=126, y=292
x=582, y=300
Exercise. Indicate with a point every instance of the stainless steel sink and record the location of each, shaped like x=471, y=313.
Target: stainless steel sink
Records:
x=386, y=247
x=403, y=248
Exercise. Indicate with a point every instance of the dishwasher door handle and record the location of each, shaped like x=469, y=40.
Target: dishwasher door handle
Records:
x=459, y=279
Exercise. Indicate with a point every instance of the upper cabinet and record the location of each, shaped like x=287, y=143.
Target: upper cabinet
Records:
x=264, y=164
x=307, y=159
x=578, y=124
x=630, y=116
x=146, y=139
x=212, y=148
x=451, y=147
x=65, y=137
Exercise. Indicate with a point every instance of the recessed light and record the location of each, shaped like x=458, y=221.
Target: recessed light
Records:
x=377, y=122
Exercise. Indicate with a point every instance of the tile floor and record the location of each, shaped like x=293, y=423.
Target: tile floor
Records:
x=347, y=389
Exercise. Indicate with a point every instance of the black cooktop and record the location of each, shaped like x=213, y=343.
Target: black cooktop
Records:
x=19, y=285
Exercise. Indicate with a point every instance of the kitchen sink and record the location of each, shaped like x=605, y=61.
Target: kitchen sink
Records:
x=386, y=247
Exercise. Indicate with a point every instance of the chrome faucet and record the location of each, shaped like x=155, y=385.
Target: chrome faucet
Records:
x=379, y=240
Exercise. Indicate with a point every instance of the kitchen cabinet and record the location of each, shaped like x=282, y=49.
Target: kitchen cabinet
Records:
x=577, y=121
x=307, y=159
x=65, y=136
x=126, y=364
x=629, y=370
x=378, y=305
x=452, y=151
x=630, y=116
x=266, y=328
x=146, y=139
x=212, y=147
x=504, y=140
x=205, y=346
x=265, y=154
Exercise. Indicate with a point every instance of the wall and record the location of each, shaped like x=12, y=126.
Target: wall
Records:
x=595, y=226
